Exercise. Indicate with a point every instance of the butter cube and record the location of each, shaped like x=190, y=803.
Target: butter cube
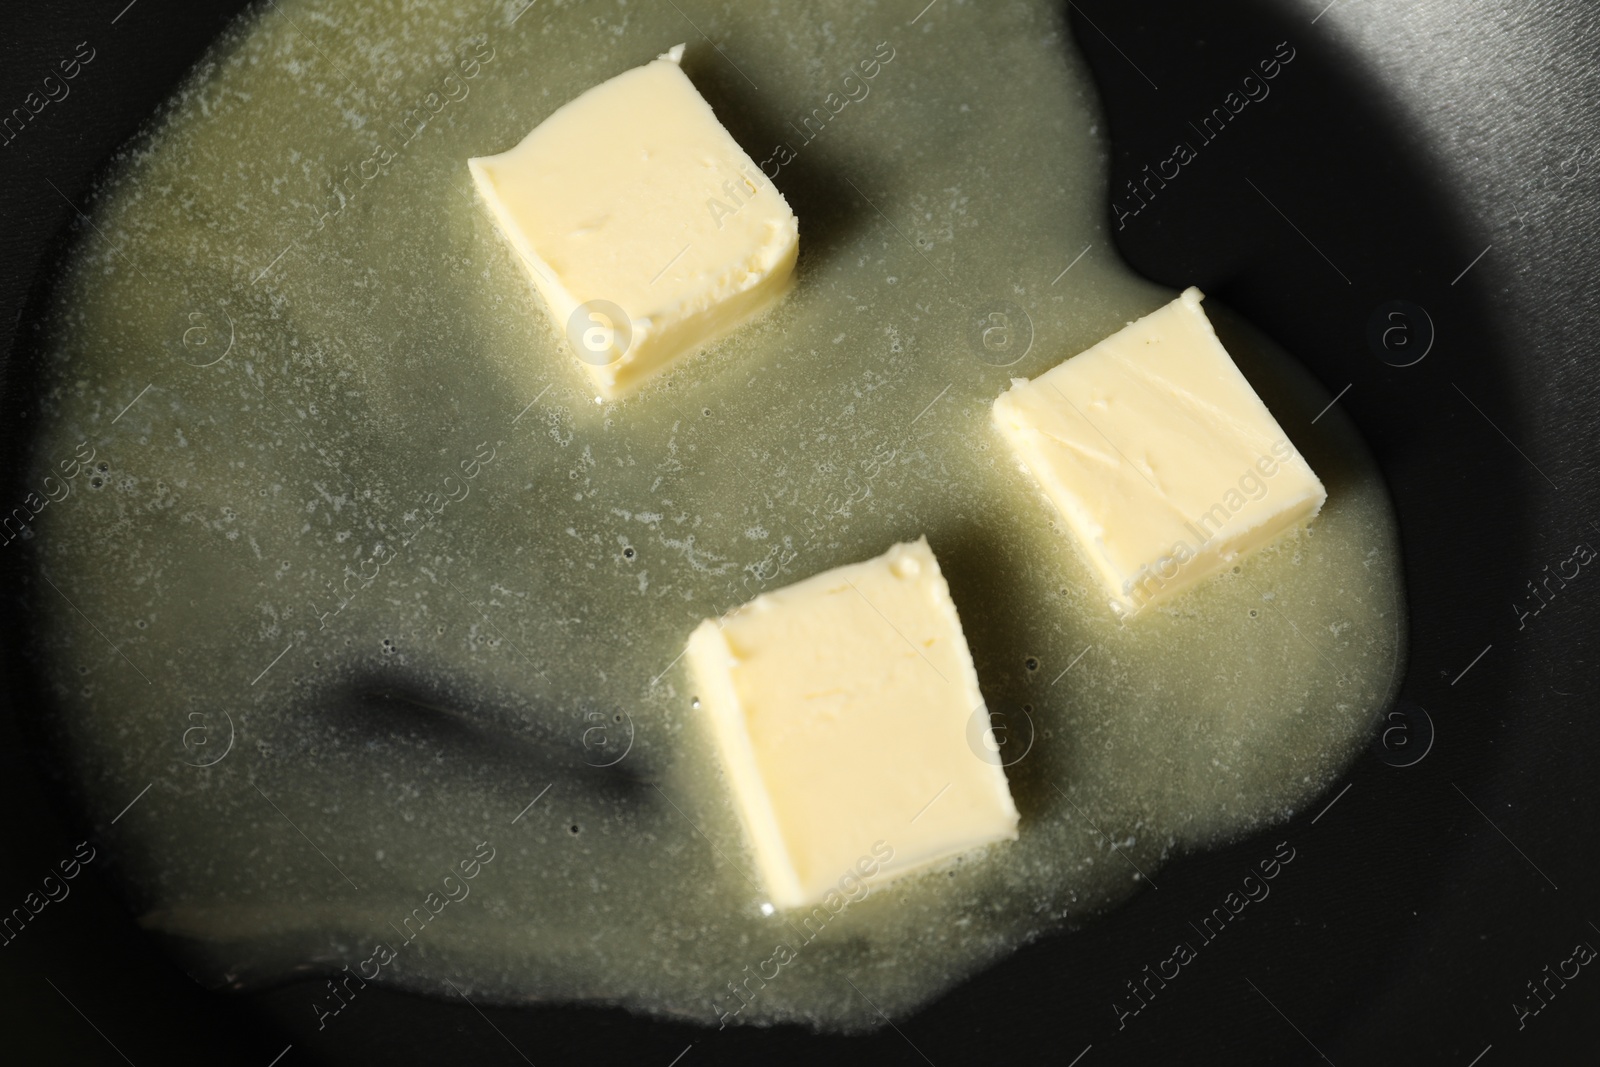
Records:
x=645, y=227
x=1160, y=458
x=845, y=709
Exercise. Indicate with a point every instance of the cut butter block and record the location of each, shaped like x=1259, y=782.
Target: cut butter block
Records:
x=849, y=723
x=645, y=227
x=1161, y=459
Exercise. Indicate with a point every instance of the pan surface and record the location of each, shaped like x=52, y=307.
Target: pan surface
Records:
x=1431, y=173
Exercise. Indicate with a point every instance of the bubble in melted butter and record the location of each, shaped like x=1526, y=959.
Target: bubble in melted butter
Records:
x=375, y=593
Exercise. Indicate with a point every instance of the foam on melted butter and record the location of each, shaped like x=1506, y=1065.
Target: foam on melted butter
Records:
x=368, y=532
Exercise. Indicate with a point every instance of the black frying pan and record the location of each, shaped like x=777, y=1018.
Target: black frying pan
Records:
x=1450, y=869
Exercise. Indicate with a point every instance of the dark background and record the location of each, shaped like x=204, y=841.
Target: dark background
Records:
x=1396, y=147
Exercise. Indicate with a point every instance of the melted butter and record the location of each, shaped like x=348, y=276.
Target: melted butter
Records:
x=369, y=570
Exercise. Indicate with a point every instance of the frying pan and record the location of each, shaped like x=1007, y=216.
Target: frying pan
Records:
x=1415, y=216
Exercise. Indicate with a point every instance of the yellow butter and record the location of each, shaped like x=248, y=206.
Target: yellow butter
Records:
x=1158, y=455
x=644, y=226
x=847, y=716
